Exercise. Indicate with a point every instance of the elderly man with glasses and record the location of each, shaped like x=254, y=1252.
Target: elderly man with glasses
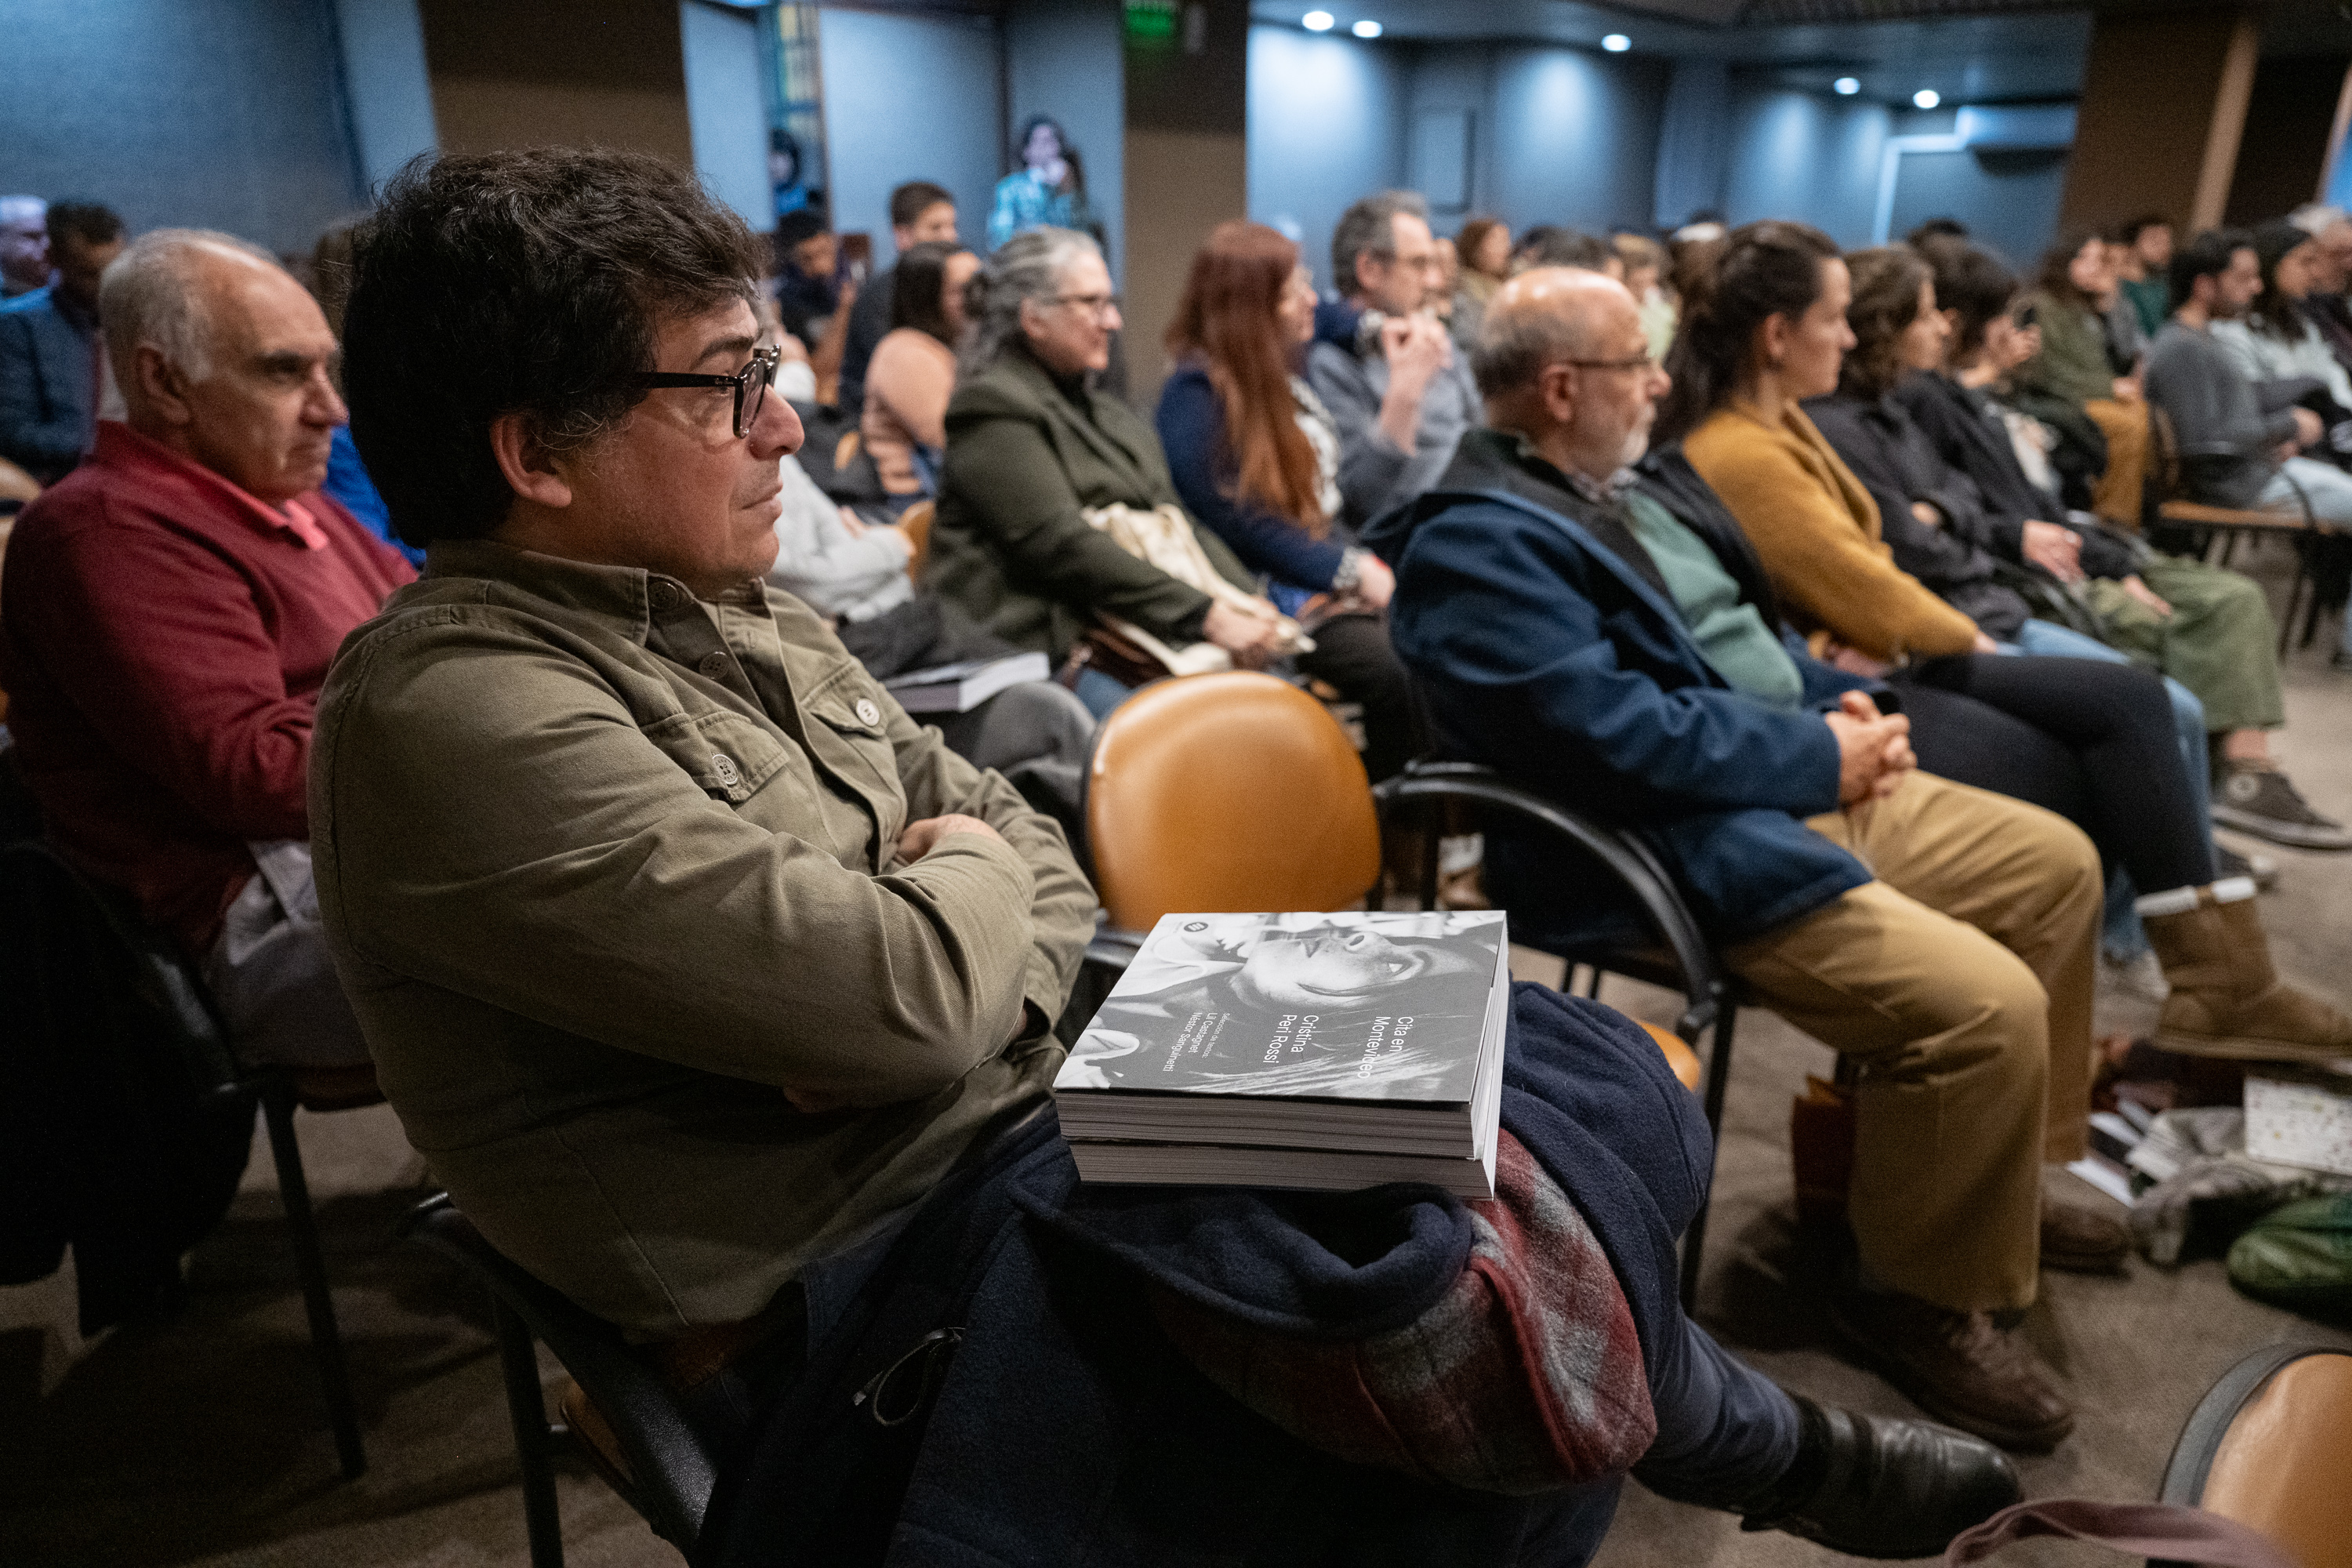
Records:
x=1383, y=362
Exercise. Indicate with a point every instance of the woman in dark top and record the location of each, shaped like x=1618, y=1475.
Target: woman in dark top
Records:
x=1256, y=458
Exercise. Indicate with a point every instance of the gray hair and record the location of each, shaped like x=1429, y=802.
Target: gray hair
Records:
x=1515, y=346
x=11, y=208
x=2317, y=218
x=1369, y=225
x=1026, y=267
x=150, y=295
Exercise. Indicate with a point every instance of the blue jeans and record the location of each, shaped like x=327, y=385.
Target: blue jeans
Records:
x=1101, y=693
x=1725, y=1430
x=2123, y=937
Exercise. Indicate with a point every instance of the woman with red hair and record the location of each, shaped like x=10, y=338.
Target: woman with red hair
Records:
x=1255, y=457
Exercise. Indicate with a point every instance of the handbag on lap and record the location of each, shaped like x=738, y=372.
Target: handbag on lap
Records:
x=1163, y=536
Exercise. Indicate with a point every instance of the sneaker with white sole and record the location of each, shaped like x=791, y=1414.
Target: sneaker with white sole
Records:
x=2261, y=801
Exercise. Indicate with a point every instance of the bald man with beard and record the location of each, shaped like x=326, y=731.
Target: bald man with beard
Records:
x=1586, y=624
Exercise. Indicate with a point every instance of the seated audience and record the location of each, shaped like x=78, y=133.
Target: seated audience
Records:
x=782, y=1007
x=347, y=478
x=2233, y=452
x=912, y=374
x=1554, y=245
x=1032, y=449
x=2325, y=305
x=1048, y=190
x=854, y=574
x=1386, y=369
x=24, y=246
x=2077, y=374
x=2208, y=628
x=920, y=214
x=2142, y=256
x=1484, y=251
x=1572, y=624
x=1255, y=457
x=1772, y=331
x=171, y=609
x=2276, y=344
x=814, y=294
x=1646, y=265
x=52, y=375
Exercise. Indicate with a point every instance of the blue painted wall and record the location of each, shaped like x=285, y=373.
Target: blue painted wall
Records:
x=391, y=90
x=724, y=110
x=1064, y=57
x=1795, y=156
x=909, y=97
x=1327, y=125
x=1576, y=137
x=216, y=113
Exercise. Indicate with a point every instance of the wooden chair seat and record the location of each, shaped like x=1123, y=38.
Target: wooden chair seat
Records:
x=2198, y=514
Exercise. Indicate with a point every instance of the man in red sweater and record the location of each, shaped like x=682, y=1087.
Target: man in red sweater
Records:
x=167, y=617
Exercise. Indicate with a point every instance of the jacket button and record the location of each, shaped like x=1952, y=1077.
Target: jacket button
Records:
x=665, y=595
x=867, y=712
x=713, y=665
x=724, y=767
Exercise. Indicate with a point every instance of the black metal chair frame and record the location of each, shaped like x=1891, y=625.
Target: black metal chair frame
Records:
x=1710, y=993
x=2208, y=532
x=672, y=1461
x=169, y=987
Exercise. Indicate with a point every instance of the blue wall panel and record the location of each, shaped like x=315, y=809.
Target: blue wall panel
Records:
x=909, y=97
x=1064, y=57
x=1327, y=125
x=1794, y=155
x=212, y=113
x=1576, y=138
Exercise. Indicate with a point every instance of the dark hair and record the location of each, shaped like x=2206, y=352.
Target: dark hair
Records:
x=913, y=199
x=1972, y=282
x=1369, y=225
x=89, y=223
x=1226, y=323
x=1029, y=129
x=2206, y=255
x=798, y=227
x=1767, y=269
x=2273, y=314
x=1550, y=245
x=2130, y=233
x=529, y=281
x=1690, y=264
x=1936, y=229
x=919, y=286
x=1886, y=302
x=2056, y=276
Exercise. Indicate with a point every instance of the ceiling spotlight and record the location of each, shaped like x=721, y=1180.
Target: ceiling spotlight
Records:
x=1845, y=86
x=1925, y=98
x=1616, y=43
x=1318, y=21
x=1367, y=28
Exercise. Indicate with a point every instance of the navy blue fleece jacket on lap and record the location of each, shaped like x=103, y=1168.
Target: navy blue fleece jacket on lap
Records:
x=1192, y=421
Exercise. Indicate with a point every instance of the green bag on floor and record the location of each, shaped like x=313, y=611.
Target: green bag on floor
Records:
x=2299, y=1257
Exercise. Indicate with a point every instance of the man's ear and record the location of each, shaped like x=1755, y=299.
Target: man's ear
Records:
x=1558, y=387
x=160, y=387
x=1368, y=284
x=528, y=471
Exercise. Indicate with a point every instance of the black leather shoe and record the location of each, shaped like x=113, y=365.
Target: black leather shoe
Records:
x=1874, y=1486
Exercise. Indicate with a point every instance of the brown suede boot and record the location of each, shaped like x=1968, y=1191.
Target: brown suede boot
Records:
x=2226, y=999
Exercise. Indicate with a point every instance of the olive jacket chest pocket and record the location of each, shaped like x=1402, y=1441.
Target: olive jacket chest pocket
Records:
x=728, y=756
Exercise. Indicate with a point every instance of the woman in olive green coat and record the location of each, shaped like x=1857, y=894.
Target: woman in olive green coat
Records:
x=1031, y=447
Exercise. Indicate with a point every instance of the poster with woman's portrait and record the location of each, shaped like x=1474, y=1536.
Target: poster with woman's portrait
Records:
x=1370, y=1006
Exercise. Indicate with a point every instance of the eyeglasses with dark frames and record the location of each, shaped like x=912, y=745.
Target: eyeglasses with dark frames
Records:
x=1638, y=362
x=751, y=384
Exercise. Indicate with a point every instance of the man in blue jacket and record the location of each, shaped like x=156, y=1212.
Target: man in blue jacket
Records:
x=1575, y=628
x=52, y=361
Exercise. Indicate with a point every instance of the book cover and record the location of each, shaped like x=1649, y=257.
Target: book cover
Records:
x=1355, y=1006
x=960, y=688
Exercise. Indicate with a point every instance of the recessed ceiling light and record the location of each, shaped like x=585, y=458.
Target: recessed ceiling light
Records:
x=1318, y=21
x=1616, y=43
x=1846, y=86
x=1925, y=98
x=1367, y=28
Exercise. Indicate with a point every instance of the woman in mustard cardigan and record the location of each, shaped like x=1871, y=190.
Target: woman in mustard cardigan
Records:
x=2090, y=740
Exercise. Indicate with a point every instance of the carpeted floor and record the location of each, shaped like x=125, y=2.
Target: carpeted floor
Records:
x=204, y=1442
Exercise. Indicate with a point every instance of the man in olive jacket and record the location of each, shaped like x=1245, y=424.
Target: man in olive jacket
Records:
x=689, y=959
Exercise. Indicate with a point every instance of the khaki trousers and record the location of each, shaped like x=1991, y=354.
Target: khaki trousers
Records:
x=2117, y=495
x=1960, y=982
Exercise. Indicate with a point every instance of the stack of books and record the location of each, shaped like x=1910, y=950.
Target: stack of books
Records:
x=1326, y=1052
x=960, y=688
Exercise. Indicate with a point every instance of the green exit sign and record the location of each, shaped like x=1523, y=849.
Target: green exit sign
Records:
x=1152, y=19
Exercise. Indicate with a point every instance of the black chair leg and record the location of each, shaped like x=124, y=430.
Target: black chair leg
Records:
x=1718, y=1075
x=326, y=1339
x=1591, y=991
x=527, y=1406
